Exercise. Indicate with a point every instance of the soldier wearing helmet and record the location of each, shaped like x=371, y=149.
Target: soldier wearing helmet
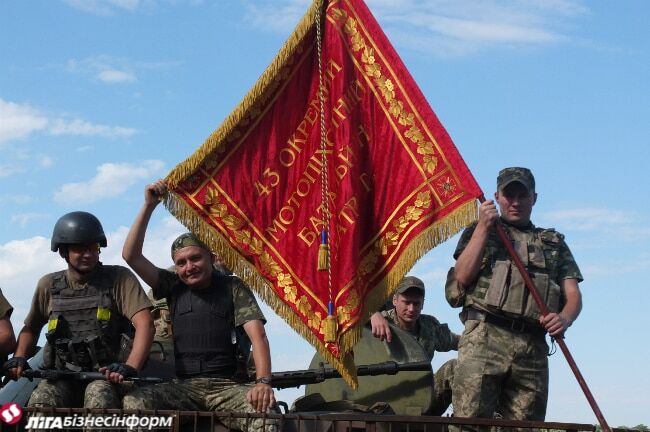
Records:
x=206, y=307
x=502, y=360
x=406, y=313
x=93, y=312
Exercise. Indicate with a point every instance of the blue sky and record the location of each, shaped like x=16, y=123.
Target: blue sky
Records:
x=99, y=97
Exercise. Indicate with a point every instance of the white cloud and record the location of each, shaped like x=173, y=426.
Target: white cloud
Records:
x=22, y=219
x=113, y=70
x=444, y=27
x=112, y=179
x=83, y=128
x=19, y=281
x=156, y=248
x=104, y=7
x=589, y=218
x=279, y=16
x=16, y=199
x=7, y=170
x=477, y=31
x=116, y=76
x=594, y=228
x=110, y=7
x=19, y=120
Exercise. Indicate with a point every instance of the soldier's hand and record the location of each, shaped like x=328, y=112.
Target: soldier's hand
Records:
x=154, y=192
x=116, y=372
x=380, y=327
x=15, y=366
x=261, y=397
x=487, y=213
x=555, y=324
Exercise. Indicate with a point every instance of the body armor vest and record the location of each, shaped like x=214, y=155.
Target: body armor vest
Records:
x=84, y=328
x=501, y=289
x=204, y=337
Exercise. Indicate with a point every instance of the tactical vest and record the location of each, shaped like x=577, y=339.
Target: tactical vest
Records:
x=84, y=330
x=501, y=289
x=204, y=335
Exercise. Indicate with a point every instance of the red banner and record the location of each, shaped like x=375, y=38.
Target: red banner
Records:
x=395, y=184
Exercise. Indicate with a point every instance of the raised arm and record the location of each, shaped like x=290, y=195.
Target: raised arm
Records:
x=132, y=250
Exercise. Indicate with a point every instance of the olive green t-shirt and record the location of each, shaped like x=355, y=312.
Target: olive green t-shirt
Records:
x=128, y=295
x=245, y=305
x=5, y=307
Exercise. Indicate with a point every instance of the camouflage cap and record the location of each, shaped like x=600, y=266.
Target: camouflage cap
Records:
x=409, y=282
x=188, y=239
x=516, y=174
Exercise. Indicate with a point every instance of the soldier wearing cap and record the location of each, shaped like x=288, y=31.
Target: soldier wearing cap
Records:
x=502, y=360
x=97, y=318
x=207, y=307
x=433, y=336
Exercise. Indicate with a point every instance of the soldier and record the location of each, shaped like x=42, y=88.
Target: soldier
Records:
x=90, y=309
x=7, y=337
x=502, y=361
x=206, y=306
x=433, y=336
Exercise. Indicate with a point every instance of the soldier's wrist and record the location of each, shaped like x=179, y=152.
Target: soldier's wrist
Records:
x=264, y=380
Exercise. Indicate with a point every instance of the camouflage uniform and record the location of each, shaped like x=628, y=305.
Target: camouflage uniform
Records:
x=500, y=369
x=205, y=393
x=434, y=336
x=161, y=318
x=129, y=298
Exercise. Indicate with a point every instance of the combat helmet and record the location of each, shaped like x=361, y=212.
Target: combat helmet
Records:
x=77, y=228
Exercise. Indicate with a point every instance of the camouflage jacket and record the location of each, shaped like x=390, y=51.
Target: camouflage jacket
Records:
x=430, y=333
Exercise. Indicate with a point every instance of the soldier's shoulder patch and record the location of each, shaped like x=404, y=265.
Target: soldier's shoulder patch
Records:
x=549, y=235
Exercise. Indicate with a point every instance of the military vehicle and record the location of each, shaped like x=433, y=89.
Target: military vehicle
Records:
x=388, y=398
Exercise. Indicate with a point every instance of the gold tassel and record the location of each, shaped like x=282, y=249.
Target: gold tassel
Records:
x=330, y=324
x=330, y=329
x=323, y=252
x=323, y=257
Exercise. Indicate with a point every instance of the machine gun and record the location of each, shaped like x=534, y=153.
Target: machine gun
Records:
x=279, y=380
x=80, y=376
x=297, y=378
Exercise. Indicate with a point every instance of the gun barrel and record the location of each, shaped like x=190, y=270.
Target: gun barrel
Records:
x=53, y=374
x=297, y=378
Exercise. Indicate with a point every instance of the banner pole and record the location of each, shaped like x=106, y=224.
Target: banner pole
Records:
x=544, y=311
